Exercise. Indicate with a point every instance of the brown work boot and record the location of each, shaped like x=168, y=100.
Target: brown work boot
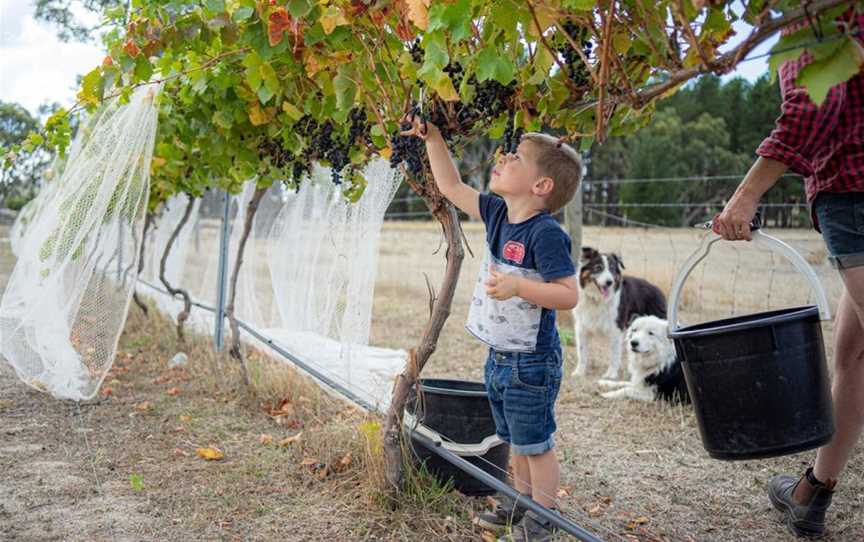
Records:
x=803, y=507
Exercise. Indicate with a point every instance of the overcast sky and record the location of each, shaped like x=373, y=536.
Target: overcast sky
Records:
x=37, y=68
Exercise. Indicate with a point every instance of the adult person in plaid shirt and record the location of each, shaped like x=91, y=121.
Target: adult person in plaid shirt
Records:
x=825, y=145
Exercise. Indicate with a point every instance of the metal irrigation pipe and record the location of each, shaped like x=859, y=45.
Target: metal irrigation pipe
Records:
x=555, y=518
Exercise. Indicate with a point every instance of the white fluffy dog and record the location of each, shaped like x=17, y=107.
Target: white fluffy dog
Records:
x=655, y=372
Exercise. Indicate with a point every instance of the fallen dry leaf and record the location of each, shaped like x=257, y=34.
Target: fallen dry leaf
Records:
x=183, y=453
x=265, y=439
x=173, y=392
x=179, y=429
x=107, y=392
x=186, y=419
x=290, y=440
x=144, y=407
x=489, y=536
x=309, y=461
x=210, y=454
x=346, y=460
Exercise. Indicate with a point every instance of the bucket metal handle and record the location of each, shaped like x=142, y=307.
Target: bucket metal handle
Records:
x=762, y=240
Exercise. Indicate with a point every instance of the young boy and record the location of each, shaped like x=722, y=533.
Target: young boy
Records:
x=528, y=275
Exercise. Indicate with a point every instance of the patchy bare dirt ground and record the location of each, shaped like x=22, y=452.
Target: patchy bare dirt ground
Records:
x=125, y=467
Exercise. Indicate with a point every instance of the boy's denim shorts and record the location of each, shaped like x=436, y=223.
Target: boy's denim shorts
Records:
x=841, y=219
x=522, y=389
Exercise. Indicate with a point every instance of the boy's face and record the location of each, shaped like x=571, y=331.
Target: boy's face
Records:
x=515, y=173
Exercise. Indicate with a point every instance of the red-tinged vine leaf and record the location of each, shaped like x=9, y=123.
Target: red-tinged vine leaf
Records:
x=210, y=454
x=107, y=392
x=107, y=61
x=404, y=30
x=131, y=49
x=265, y=439
x=278, y=22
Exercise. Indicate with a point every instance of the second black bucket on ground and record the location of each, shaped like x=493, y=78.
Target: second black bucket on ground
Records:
x=459, y=412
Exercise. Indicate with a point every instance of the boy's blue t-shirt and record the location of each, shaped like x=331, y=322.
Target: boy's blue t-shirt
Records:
x=538, y=244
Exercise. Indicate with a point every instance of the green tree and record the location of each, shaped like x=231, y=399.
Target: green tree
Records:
x=672, y=148
x=61, y=14
x=19, y=183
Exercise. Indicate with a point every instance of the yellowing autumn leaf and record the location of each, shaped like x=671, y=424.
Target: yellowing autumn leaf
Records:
x=290, y=440
x=386, y=152
x=291, y=110
x=156, y=163
x=546, y=16
x=210, y=454
x=331, y=18
x=444, y=87
x=259, y=117
x=418, y=12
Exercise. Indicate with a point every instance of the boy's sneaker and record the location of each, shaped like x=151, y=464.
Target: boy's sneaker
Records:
x=802, y=519
x=505, y=514
x=532, y=529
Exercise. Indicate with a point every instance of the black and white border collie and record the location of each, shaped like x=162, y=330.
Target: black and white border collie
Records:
x=655, y=372
x=607, y=304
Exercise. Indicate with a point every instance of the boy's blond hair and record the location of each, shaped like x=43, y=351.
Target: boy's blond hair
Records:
x=561, y=163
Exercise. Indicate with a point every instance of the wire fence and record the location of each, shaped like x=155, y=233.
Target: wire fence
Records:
x=784, y=207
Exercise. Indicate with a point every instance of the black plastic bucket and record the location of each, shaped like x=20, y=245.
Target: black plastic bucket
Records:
x=457, y=413
x=759, y=383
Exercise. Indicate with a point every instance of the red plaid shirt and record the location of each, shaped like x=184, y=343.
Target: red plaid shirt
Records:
x=824, y=144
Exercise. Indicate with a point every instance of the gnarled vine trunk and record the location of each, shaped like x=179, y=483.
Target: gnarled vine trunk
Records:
x=445, y=213
x=148, y=220
x=187, y=301
x=236, y=353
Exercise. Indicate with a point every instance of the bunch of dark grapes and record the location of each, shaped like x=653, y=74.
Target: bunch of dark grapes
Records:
x=576, y=70
x=298, y=170
x=492, y=98
x=456, y=72
x=512, y=137
x=323, y=145
x=359, y=127
x=416, y=52
x=408, y=149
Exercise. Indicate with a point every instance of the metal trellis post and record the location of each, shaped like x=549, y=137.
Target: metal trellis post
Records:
x=219, y=334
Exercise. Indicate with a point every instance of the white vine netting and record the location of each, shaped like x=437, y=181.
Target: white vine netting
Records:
x=67, y=298
x=307, y=278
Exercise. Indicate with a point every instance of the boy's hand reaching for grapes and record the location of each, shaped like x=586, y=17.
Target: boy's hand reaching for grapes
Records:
x=414, y=125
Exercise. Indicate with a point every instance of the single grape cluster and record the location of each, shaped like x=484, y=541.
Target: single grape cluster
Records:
x=576, y=70
x=408, y=149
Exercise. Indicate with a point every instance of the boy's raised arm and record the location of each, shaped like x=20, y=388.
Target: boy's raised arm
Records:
x=444, y=170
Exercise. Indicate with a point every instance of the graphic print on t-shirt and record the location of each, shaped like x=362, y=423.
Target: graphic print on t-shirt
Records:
x=514, y=251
